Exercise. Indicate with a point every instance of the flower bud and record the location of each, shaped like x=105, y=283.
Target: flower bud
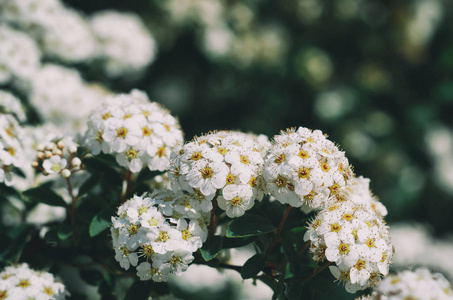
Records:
x=76, y=162
x=65, y=173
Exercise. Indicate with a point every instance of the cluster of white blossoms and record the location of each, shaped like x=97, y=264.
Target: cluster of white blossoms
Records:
x=68, y=102
x=354, y=236
x=126, y=46
x=138, y=132
x=9, y=104
x=230, y=162
x=418, y=284
x=19, y=56
x=21, y=283
x=119, y=41
x=157, y=233
x=11, y=149
x=303, y=167
x=58, y=156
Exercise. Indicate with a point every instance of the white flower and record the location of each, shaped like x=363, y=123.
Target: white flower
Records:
x=21, y=282
x=236, y=199
x=304, y=168
x=54, y=164
x=150, y=233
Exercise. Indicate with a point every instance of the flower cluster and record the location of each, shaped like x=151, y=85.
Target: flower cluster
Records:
x=11, y=150
x=157, y=233
x=418, y=284
x=228, y=161
x=70, y=100
x=136, y=131
x=20, y=282
x=303, y=167
x=349, y=233
x=9, y=104
x=19, y=56
x=58, y=157
x=125, y=44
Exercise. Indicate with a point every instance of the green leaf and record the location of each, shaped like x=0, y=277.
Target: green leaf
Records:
x=253, y=266
x=211, y=247
x=298, y=229
x=88, y=185
x=65, y=231
x=249, y=225
x=237, y=242
x=139, y=290
x=100, y=222
x=92, y=276
x=296, y=291
x=45, y=195
x=291, y=255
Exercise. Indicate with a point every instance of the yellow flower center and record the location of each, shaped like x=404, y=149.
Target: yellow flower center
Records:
x=196, y=156
x=142, y=210
x=281, y=181
x=230, y=179
x=206, y=172
x=360, y=265
x=334, y=188
x=23, y=283
x=253, y=181
x=106, y=116
x=48, y=291
x=133, y=229
x=370, y=243
x=146, y=131
x=146, y=113
x=303, y=172
x=335, y=227
x=325, y=167
x=280, y=158
x=347, y=217
x=340, y=167
x=186, y=234
x=343, y=248
x=11, y=151
x=161, y=152
x=236, y=201
x=127, y=116
x=148, y=251
x=163, y=237
x=222, y=150
x=244, y=159
x=175, y=260
x=153, y=222
x=167, y=127
x=3, y=294
x=121, y=132
x=131, y=154
x=303, y=154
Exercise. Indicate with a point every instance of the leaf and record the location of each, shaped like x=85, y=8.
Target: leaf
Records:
x=277, y=286
x=65, y=231
x=253, y=266
x=92, y=276
x=139, y=290
x=100, y=222
x=88, y=185
x=291, y=255
x=211, y=247
x=45, y=195
x=237, y=242
x=296, y=291
x=298, y=229
x=249, y=225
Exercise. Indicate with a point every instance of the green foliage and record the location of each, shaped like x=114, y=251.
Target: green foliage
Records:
x=45, y=195
x=249, y=225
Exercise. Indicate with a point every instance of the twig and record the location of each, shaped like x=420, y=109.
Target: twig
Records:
x=127, y=187
x=277, y=233
x=316, y=271
x=213, y=221
x=73, y=202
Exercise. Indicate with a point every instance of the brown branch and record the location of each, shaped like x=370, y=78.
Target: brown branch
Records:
x=316, y=271
x=277, y=233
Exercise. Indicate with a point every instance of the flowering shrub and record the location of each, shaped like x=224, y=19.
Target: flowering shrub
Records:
x=102, y=189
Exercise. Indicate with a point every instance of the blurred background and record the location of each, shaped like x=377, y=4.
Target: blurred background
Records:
x=376, y=76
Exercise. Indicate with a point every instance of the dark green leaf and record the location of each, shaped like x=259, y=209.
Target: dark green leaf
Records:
x=211, y=248
x=88, y=185
x=139, y=290
x=45, y=195
x=237, y=242
x=291, y=255
x=277, y=286
x=249, y=225
x=296, y=291
x=100, y=222
x=65, y=231
x=253, y=266
x=92, y=276
x=298, y=229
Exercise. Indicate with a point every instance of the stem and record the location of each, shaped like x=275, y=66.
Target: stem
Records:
x=316, y=271
x=74, y=200
x=306, y=245
x=213, y=221
x=278, y=231
x=127, y=187
x=231, y=267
